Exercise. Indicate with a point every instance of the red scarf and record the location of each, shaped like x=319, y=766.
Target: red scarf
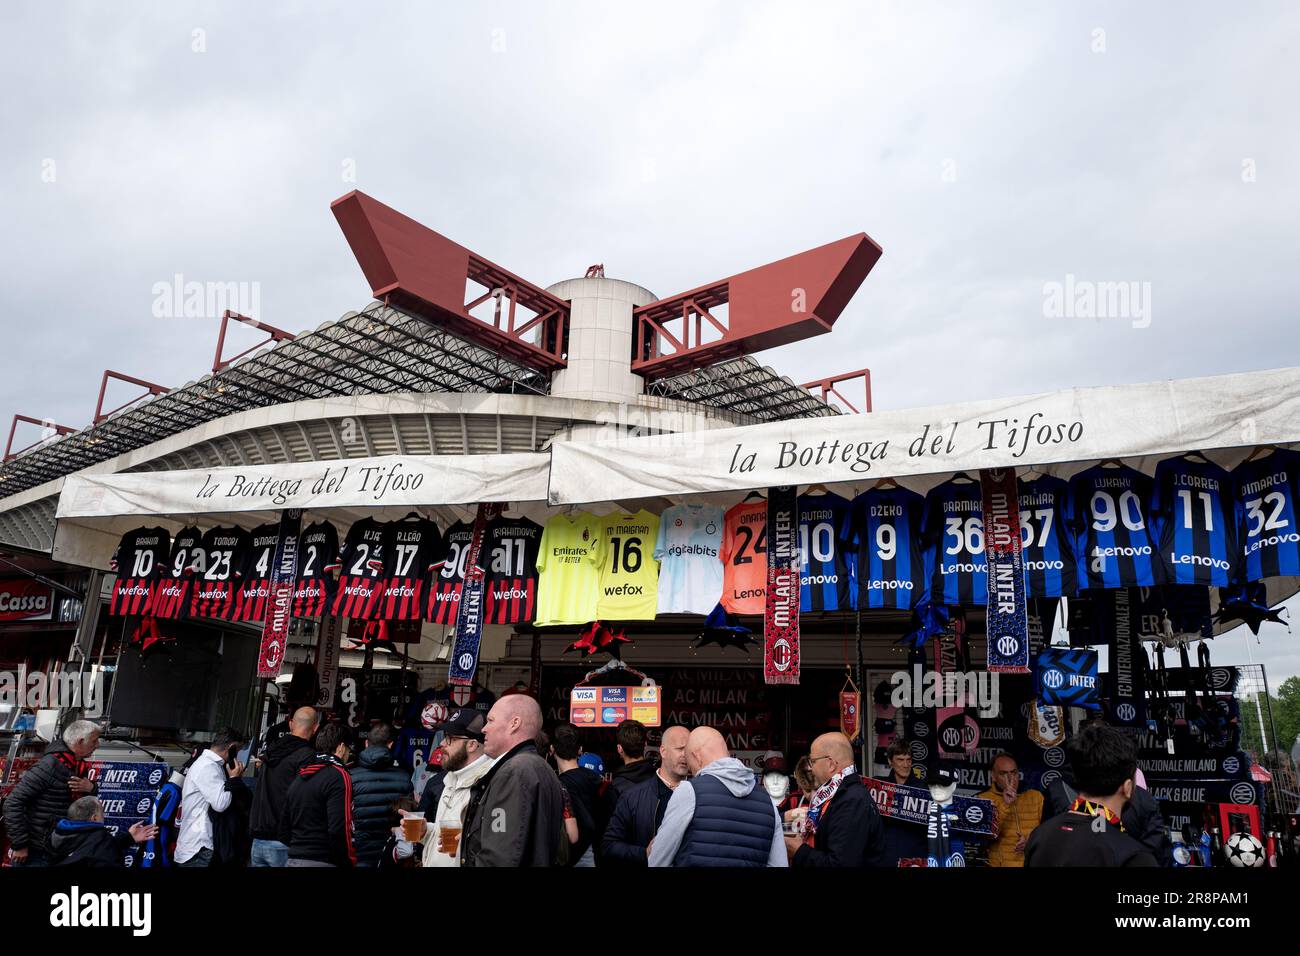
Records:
x=1084, y=805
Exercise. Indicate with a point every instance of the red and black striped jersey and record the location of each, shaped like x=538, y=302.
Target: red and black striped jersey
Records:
x=254, y=585
x=361, y=566
x=510, y=548
x=171, y=595
x=449, y=573
x=213, y=592
x=139, y=561
x=410, y=548
x=318, y=550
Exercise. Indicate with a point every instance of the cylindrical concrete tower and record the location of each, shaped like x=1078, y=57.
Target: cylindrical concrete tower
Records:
x=600, y=339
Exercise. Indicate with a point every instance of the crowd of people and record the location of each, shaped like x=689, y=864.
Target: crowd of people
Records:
x=507, y=794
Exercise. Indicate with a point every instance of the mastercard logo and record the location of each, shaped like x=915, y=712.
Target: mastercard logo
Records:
x=583, y=715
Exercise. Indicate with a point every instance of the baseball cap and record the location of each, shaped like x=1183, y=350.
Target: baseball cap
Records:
x=945, y=774
x=466, y=722
x=592, y=762
x=773, y=762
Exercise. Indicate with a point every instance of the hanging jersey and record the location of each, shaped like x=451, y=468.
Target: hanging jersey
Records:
x=361, y=571
x=213, y=592
x=1046, y=539
x=826, y=579
x=139, y=562
x=1194, y=522
x=1267, y=490
x=449, y=574
x=689, y=549
x=410, y=549
x=413, y=746
x=953, y=536
x=1113, y=542
x=884, y=528
x=568, y=584
x=629, y=573
x=313, y=586
x=164, y=813
x=744, y=558
x=171, y=595
x=253, y=589
x=510, y=553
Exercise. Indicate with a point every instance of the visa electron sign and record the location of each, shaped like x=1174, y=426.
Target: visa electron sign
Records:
x=610, y=706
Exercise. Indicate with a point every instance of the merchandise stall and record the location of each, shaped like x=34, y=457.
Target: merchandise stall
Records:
x=844, y=553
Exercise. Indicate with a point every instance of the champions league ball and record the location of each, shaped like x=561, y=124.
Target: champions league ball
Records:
x=1244, y=849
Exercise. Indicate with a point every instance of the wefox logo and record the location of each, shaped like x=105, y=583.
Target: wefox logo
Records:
x=75, y=909
x=956, y=689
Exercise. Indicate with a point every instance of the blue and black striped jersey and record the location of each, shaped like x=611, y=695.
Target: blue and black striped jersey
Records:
x=1267, y=491
x=953, y=536
x=824, y=560
x=1195, y=524
x=1046, y=538
x=1112, y=535
x=884, y=527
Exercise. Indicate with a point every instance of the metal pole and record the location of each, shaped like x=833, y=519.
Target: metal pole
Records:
x=83, y=644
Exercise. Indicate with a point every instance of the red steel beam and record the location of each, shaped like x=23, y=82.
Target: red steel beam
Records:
x=776, y=304
x=411, y=266
x=44, y=423
x=273, y=335
x=100, y=414
x=830, y=386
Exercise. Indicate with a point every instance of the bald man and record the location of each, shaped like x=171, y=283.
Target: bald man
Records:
x=720, y=817
x=284, y=758
x=842, y=827
x=515, y=814
x=640, y=810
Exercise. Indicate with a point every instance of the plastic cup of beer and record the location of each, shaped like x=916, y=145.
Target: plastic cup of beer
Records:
x=413, y=827
x=449, y=839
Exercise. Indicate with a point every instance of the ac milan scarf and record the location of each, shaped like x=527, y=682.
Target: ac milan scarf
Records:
x=1008, y=619
x=823, y=795
x=279, y=609
x=781, y=619
x=469, y=617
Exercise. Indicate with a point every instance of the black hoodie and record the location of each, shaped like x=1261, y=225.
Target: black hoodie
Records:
x=630, y=774
x=284, y=759
x=316, y=823
x=83, y=843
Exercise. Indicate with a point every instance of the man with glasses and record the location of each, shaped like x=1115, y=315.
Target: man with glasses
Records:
x=464, y=762
x=842, y=827
x=1018, y=813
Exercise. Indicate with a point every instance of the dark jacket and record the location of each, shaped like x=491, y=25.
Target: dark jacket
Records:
x=378, y=782
x=849, y=831
x=1141, y=818
x=592, y=806
x=630, y=775
x=42, y=798
x=899, y=840
x=633, y=825
x=515, y=815
x=316, y=823
x=727, y=830
x=433, y=788
x=280, y=767
x=231, y=843
x=1072, y=839
x=81, y=843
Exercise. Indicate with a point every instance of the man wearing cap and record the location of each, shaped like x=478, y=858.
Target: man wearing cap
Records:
x=640, y=810
x=842, y=827
x=464, y=763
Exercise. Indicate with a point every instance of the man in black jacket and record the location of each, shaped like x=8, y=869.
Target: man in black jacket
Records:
x=84, y=840
x=45, y=792
x=280, y=765
x=640, y=809
x=378, y=782
x=637, y=768
x=316, y=823
x=842, y=828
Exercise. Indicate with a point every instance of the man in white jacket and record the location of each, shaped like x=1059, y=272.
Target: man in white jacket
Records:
x=465, y=762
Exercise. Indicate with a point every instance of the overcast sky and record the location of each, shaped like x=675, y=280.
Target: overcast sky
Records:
x=989, y=148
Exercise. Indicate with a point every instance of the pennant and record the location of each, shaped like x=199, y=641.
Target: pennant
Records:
x=1008, y=618
x=279, y=609
x=469, y=616
x=850, y=710
x=781, y=618
x=1046, y=725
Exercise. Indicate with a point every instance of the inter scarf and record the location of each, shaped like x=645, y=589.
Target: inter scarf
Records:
x=781, y=618
x=1007, y=626
x=469, y=615
x=940, y=849
x=823, y=795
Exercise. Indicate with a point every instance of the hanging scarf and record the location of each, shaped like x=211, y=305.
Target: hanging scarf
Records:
x=938, y=844
x=1084, y=805
x=822, y=796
